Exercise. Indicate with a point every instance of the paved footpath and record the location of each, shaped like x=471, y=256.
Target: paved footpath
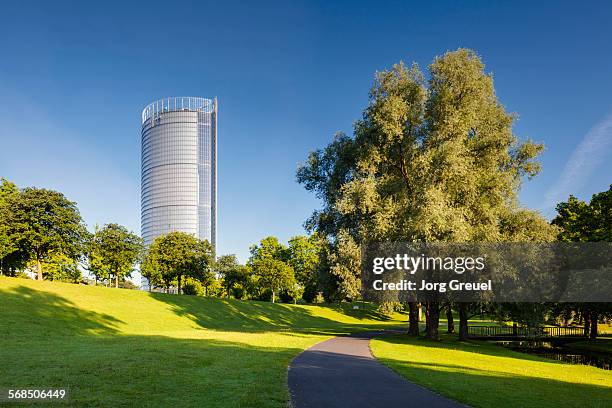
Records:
x=341, y=372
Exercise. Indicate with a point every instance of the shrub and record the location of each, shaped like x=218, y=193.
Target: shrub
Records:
x=388, y=308
x=319, y=298
x=193, y=287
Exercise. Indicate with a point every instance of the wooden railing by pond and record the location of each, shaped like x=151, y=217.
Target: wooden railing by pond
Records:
x=526, y=332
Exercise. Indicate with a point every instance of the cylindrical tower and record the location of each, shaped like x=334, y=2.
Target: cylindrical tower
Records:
x=179, y=168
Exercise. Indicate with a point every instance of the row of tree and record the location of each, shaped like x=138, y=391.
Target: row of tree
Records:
x=42, y=231
x=272, y=270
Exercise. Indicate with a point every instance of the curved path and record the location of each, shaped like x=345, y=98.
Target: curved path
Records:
x=341, y=372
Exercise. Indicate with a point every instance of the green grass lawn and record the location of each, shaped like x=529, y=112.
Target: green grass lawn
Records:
x=116, y=347
x=486, y=375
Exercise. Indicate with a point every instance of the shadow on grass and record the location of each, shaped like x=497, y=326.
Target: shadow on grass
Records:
x=28, y=312
x=450, y=342
x=257, y=316
x=48, y=342
x=490, y=385
x=152, y=371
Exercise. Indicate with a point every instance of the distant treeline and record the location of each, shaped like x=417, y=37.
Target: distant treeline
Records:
x=42, y=234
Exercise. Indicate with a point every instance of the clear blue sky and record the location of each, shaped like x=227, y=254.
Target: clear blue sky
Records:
x=74, y=78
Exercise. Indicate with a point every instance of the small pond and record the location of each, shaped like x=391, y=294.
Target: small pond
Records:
x=560, y=352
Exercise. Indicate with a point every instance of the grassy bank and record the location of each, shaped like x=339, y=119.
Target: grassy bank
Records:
x=486, y=375
x=115, y=347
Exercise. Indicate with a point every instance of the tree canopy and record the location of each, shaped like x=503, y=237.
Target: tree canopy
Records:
x=114, y=252
x=12, y=257
x=580, y=221
x=41, y=222
x=304, y=254
x=432, y=159
x=233, y=274
x=176, y=255
x=269, y=263
x=586, y=222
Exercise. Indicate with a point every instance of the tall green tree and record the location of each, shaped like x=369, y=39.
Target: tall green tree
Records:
x=274, y=275
x=304, y=256
x=431, y=160
x=601, y=208
x=201, y=266
x=11, y=258
x=344, y=257
x=586, y=222
x=116, y=251
x=151, y=270
x=269, y=263
x=232, y=273
x=176, y=255
x=94, y=261
x=574, y=217
x=580, y=221
x=45, y=222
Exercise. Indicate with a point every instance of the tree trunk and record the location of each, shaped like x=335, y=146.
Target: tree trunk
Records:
x=449, y=319
x=463, y=321
x=38, y=270
x=413, y=318
x=273, y=296
x=179, y=285
x=594, y=318
x=116, y=280
x=432, y=316
x=587, y=324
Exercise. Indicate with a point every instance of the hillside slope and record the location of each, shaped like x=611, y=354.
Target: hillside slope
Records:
x=115, y=347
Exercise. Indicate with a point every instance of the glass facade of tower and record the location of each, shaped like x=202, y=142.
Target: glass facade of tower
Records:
x=179, y=168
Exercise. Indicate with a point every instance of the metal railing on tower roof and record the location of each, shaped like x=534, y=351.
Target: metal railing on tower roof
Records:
x=178, y=103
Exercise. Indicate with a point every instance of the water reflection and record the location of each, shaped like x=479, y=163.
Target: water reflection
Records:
x=559, y=352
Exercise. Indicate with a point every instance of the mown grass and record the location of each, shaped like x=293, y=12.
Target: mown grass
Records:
x=115, y=347
x=481, y=374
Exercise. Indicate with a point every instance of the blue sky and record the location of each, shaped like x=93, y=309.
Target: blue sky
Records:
x=74, y=78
